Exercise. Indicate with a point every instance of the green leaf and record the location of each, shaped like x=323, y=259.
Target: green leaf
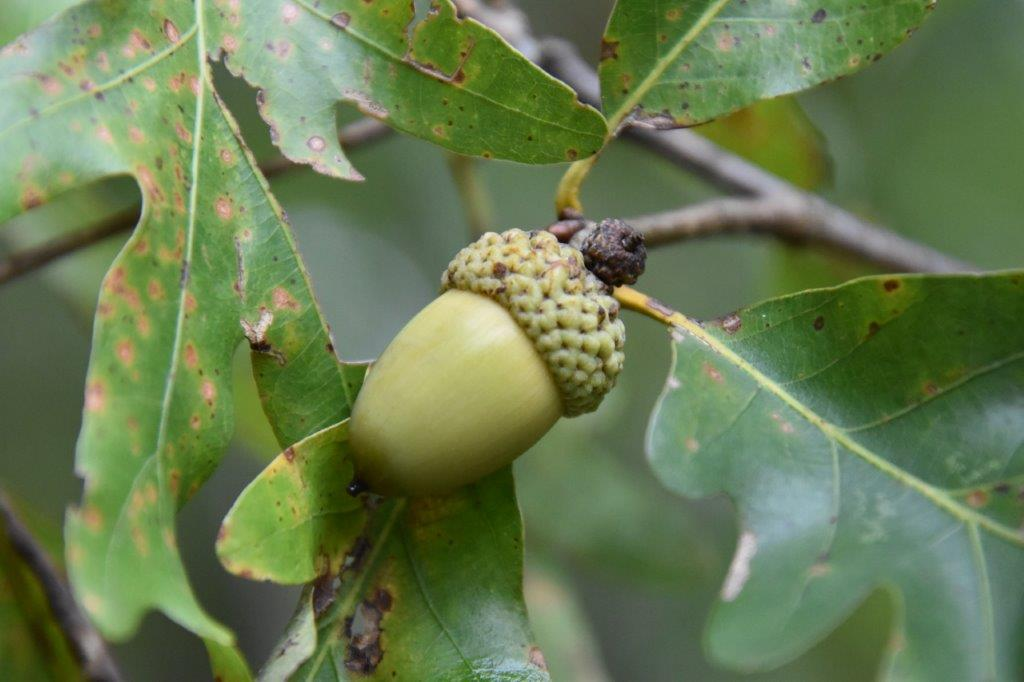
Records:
x=114, y=87
x=226, y=663
x=429, y=588
x=295, y=520
x=682, y=62
x=871, y=436
x=21, y=15
x=432, y=591
x=776, y=135
x=32, y=643
x=414, y=65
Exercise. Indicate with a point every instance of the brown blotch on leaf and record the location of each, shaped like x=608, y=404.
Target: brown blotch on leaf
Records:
x=284, y=300
x=171, y=31
x=316, y=143
x=209, y=391
x=223, y=208
x=891, y=284
x=930, y=388
x=731, y=323
x=126, y=352
x=30, y=198
x=819, y=16
x=609, y=49
x=92, y=517
x=341, y=19
x=873, y=329
x=537, y=658
x=819, y=323
x=977, y=498
x=712, y=373
x=289, y=454
x=363, y=629
x=323, y=593
x=96, y=396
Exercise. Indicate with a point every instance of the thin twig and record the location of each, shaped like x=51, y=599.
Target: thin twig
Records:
x=786, y=217
x=35, y=257
x=356, y=134
x=86, y=643
x=817, y=220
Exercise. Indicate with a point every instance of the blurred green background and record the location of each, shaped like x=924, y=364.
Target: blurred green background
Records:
x=620, y=574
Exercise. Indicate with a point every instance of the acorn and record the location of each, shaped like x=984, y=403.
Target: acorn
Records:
x=521, y=335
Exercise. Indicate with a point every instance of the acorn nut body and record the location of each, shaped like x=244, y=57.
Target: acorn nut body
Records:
x=521, y=335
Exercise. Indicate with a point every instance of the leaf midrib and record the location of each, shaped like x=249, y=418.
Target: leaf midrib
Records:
x=654, y=75
x=936, y=495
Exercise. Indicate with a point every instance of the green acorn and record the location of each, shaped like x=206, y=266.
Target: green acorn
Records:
x=521, y=335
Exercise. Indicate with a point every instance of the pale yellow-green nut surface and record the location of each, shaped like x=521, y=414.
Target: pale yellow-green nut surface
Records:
x=522, y=334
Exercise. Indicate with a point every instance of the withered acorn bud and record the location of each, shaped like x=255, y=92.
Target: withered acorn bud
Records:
x=521, y=335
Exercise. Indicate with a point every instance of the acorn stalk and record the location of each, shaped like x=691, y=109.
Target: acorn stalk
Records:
x=522, y=334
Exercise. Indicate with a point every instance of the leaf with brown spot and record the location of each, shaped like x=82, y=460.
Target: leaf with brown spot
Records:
x=683, y=62
x=420, y=69
x=430, y=589
x=158, y=410
x=859, y=461
x=262, y=537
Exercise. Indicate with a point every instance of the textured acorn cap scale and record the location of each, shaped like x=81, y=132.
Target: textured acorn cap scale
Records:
x=522, y=334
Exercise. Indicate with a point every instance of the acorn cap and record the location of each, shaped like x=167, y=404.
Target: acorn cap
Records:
x=565, y=310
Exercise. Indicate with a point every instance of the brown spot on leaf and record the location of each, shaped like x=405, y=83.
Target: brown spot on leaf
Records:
x=819, y=16
x=316, y=143
x=171, y=31
x=731, y=323
x=283, y=299
x=191, y=356
x=30, y=198
x=364, y=652
x=92, y=517
x=977, y=498
x=537, y=658
x=182, y=132
x=873, y=329
x=126, y=352
x=96, y=396
x=289, y=454
x=712, y=373
x=341, y=19
x=289, y=13
x=223, y=208
x=930, y=388
x=891, y=284
x=691, y=444
x=609, y=49
x=819, y=323
x=155, y=290
x=208, y=390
